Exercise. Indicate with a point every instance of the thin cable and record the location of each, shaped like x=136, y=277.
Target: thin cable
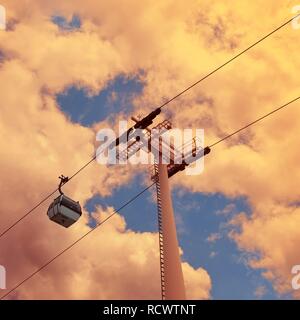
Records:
x=139, y=194
x=253, y=122
x=163, y=105
x=227, y=62
x=27, y=213
x=45, y=199
x=75, y=242
x=83, y=167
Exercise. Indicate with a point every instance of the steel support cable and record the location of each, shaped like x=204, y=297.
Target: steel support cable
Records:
x=75, y=242
x=160, y=107
x=132, y=199
x=253, y=122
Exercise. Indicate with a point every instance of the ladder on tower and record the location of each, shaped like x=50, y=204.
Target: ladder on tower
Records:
x=160, y=233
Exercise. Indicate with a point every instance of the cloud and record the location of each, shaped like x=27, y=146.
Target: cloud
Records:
x=213, y=237
x=261, y=163
x=112, y=263
x=260, y=291
x=197, y=282
x=272, y=233
x=174, y=43
x=213, y=254
x=40, y=143
x=229, y=209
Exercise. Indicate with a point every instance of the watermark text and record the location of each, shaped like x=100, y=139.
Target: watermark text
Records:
x=158, y=145
x=2, y=278
x=2, y=18
x=296, y=279
x=296, y=21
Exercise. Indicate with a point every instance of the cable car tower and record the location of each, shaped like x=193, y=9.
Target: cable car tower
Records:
x=172, y=282
x=168, y=160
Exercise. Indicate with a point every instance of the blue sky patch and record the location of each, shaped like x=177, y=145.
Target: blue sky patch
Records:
x=65, y=25
x=87, y=110
x=200, y=220
x=204, y=239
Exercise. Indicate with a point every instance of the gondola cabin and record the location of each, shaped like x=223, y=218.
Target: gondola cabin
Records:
x=64, y=211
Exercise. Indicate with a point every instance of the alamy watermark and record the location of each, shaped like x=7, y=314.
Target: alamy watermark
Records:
x=296, y=279
x=2, y=278
x=2, y=18
x=296, y=22
x=144, y=146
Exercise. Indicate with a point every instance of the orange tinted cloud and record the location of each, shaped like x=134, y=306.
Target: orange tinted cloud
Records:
x=112, y=263
x=175, y=43
x=39, y=142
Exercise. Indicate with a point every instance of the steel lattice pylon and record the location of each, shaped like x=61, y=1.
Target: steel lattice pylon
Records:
x=152, y=141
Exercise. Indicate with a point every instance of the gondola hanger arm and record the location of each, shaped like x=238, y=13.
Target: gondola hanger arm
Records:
x=63, y=180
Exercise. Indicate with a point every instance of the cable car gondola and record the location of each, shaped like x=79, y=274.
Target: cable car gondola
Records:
x=63, y=210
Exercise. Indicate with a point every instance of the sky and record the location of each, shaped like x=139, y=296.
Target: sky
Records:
x=69, y=69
